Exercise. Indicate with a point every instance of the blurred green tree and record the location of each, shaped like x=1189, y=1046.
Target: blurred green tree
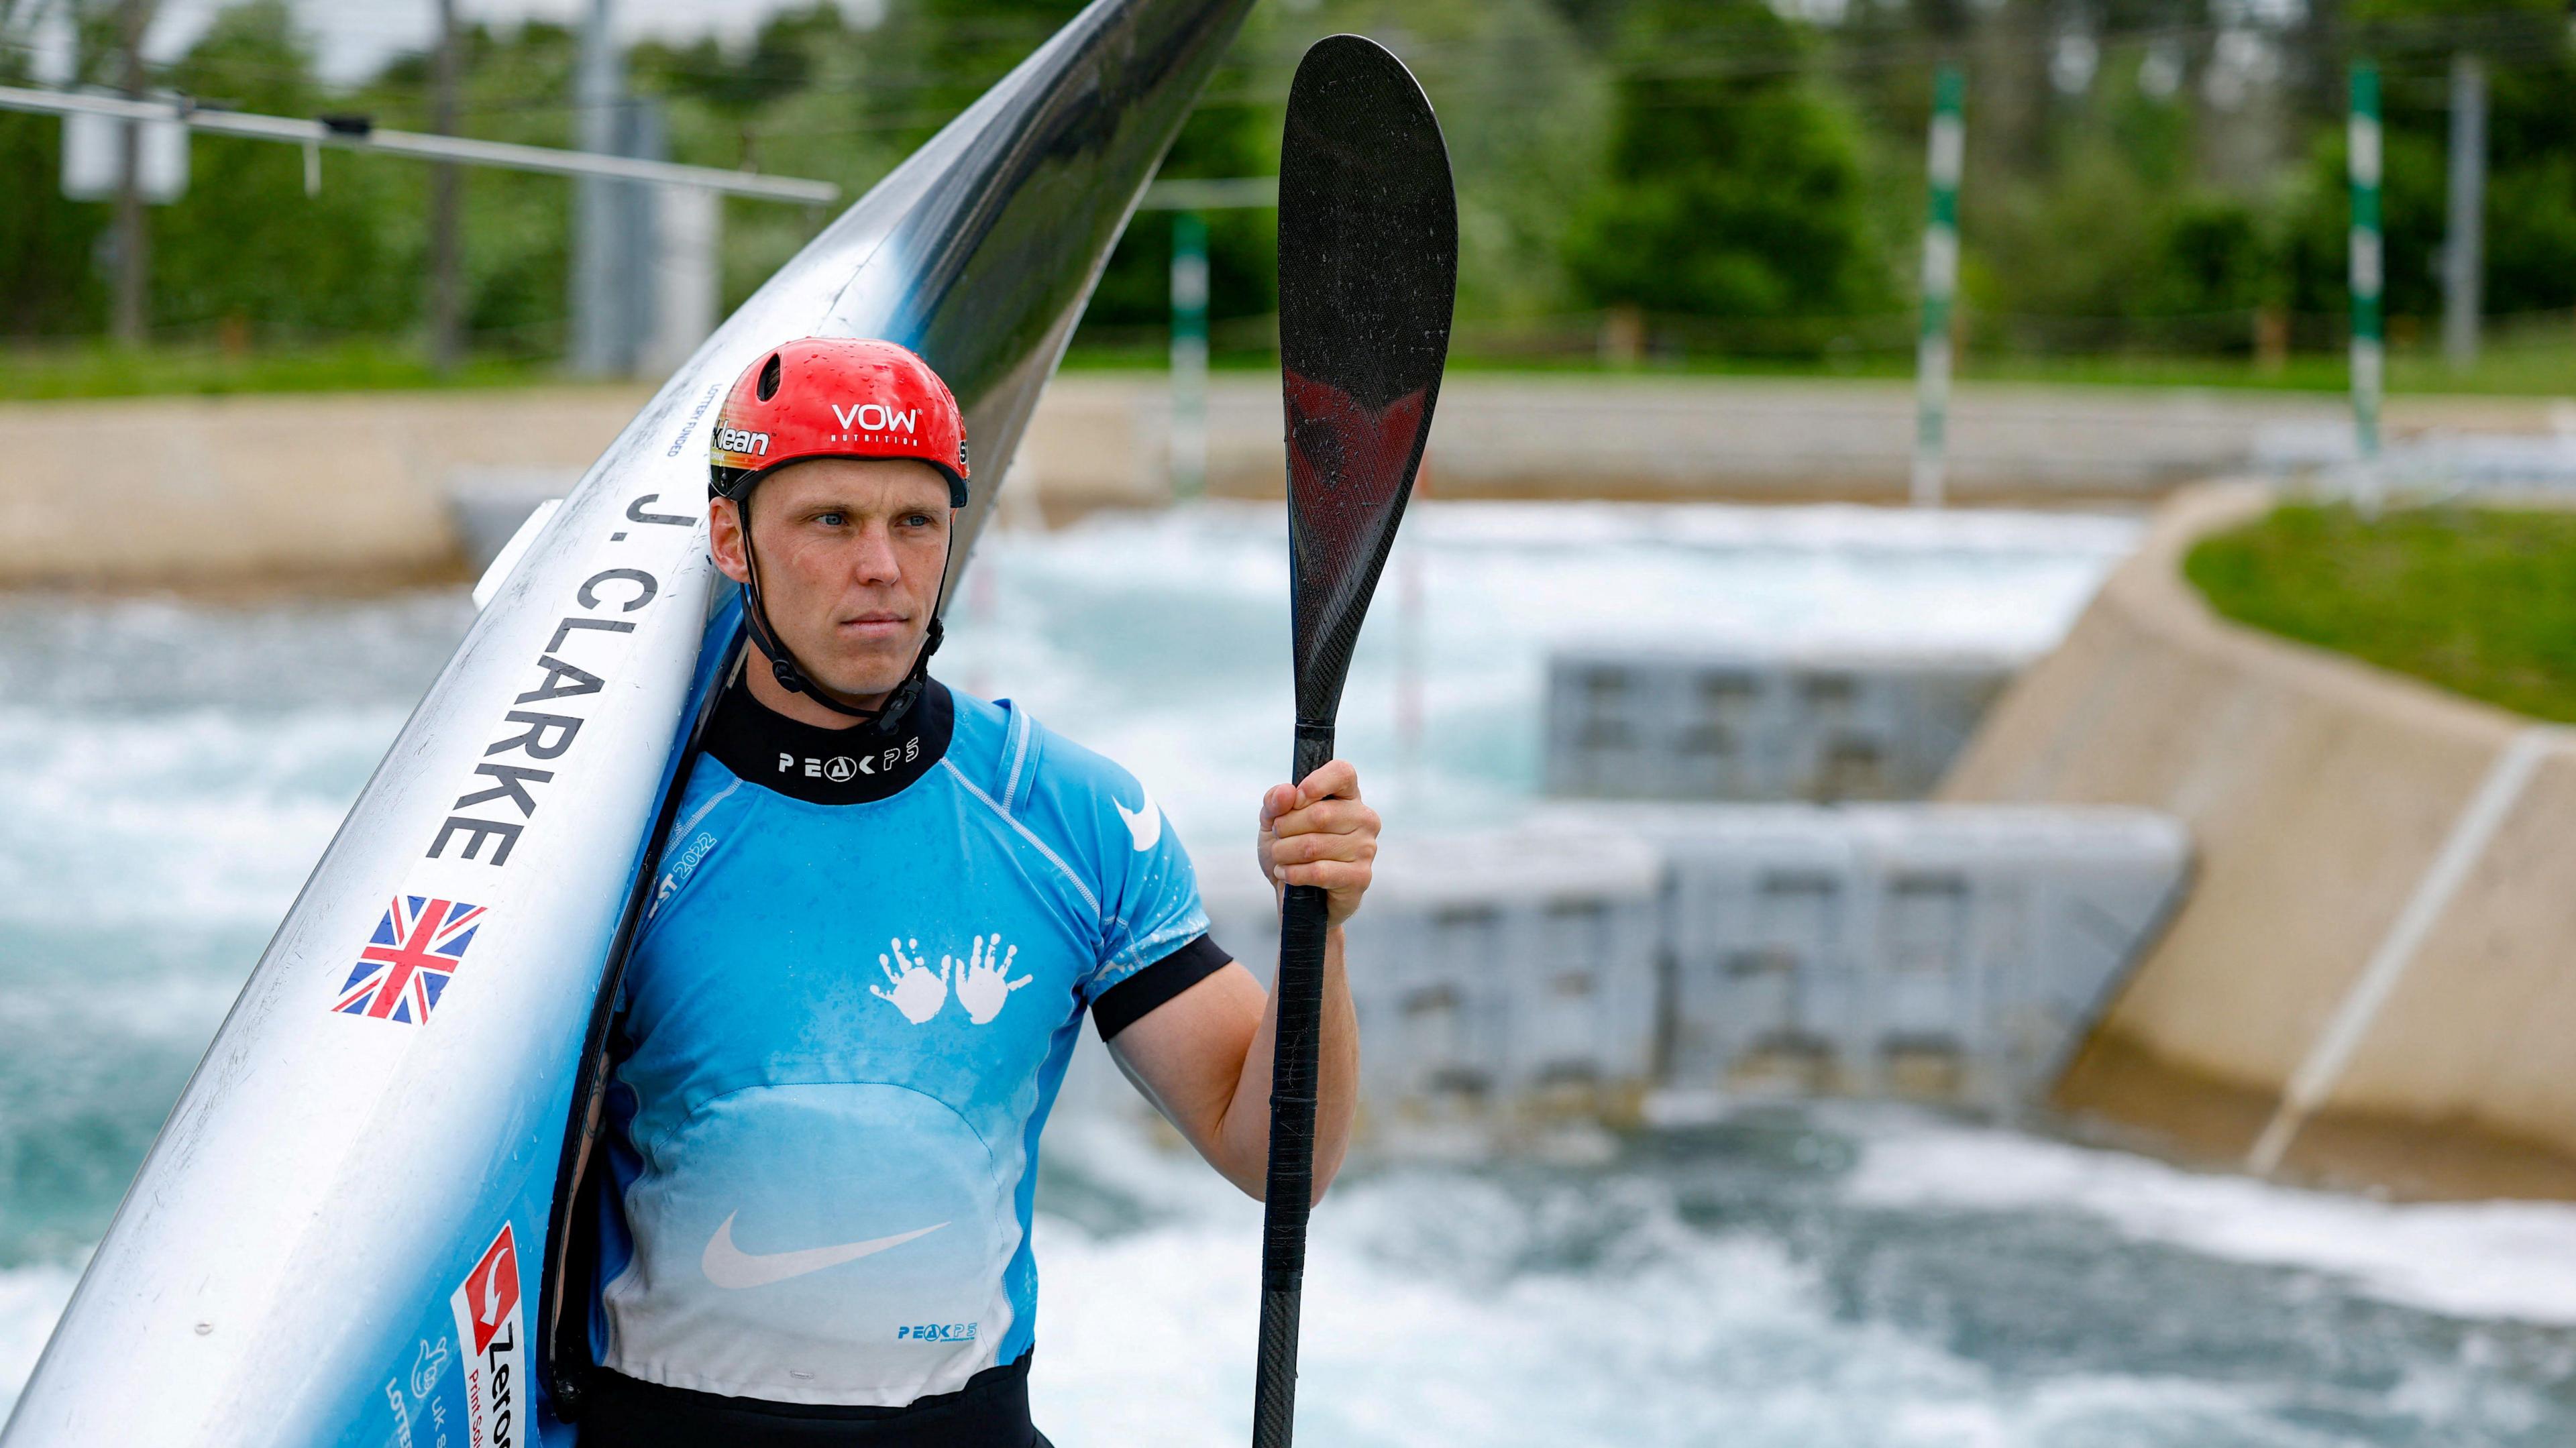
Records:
x=2105, y=239
x=246, y=241
x=1133, y=298
x=1523, y=106
x=48, y=286
x=1734, y=185
x=930, y=59
x=2530, y=212
x=2531, y=185
x=1753, y=164
x=782, y=60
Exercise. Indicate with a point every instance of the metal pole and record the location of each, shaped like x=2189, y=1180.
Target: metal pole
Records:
x=639, y=239
x=597, y=283
x=686, y=271
x=1189, y=446
x=133, y=236
x=1940, y=285
x=2369, y=353
x=2464, y=249
x=446, y=286
x=361, y=134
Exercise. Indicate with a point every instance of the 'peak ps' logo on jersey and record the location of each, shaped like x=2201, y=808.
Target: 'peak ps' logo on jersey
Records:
x=406, y=964
x=841, y=768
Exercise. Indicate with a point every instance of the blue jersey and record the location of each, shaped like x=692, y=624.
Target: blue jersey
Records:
x=843, y=1026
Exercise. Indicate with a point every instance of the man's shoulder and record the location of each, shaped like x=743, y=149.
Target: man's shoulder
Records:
x=1032, y=769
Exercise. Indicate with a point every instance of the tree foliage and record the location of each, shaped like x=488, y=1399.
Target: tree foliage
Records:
x=1727, y=195
x=2141, y=173
x=246, y=241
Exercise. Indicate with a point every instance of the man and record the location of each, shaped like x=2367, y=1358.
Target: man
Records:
x=881, y=916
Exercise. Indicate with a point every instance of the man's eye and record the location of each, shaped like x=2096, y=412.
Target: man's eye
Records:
x=831, y=520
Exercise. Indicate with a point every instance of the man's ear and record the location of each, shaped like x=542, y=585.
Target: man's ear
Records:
x=724, y=538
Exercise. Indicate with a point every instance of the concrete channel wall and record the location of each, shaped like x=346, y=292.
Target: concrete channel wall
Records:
x=2369, y=983
x=1597, y=955
x=349, y=488
x=363, y=486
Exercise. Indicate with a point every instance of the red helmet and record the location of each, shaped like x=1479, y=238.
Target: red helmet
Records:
x=836, y=397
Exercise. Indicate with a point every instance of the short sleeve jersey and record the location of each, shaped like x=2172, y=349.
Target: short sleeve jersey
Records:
x=843, y=1027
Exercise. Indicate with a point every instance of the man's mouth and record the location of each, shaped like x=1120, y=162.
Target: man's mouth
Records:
x=875, y=624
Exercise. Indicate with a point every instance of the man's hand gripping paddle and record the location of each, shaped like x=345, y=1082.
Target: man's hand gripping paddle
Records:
x=1368, y=277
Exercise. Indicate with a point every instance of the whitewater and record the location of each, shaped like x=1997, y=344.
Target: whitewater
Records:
x=1832, y=1274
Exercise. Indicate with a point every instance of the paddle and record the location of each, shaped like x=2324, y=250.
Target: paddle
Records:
x=1368, y=276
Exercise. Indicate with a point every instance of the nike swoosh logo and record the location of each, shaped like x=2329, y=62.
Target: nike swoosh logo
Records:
x=1145, y=826
x=728, y=1266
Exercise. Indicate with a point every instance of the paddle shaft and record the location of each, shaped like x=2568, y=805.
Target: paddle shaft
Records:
x=1291, y=1191
x=1368, y=280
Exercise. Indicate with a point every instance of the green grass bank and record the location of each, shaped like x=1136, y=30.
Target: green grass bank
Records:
x=2528, y=363
x=54, y=372
x=2481, y=601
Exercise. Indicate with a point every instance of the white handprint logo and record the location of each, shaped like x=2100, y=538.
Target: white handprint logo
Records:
x=985, y=985
x=917, y=993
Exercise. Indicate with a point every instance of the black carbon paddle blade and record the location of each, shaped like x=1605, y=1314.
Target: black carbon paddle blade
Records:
x=1368, y=279
x=1368, y=273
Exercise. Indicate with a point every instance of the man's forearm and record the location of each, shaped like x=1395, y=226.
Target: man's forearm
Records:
x=1243, y=1139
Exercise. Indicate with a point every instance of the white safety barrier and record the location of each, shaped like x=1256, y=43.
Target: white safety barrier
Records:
x=1815, y=727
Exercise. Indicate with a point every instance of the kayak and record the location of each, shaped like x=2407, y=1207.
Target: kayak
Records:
x=347, y=1231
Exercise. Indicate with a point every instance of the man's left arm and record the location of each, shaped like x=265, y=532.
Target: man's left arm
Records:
x=1203, y=1057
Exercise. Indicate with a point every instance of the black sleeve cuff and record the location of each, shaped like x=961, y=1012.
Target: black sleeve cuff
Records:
x=1139, y=995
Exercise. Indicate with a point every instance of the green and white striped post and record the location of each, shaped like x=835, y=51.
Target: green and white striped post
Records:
x=2369, y=352
x=1940, y=285
x=1189, y=439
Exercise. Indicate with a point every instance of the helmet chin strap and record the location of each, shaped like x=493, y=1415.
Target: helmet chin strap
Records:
x=792, y=677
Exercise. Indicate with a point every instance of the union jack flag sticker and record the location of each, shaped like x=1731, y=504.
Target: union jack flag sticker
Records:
x=406, y=964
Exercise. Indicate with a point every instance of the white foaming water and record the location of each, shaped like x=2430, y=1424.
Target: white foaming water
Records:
x=224, y=814
x=1432, y=1317
x=1193, y=691
x=30, y=1299
x=1844, y=1277
x=2475, y=1259
x=1477, y=1306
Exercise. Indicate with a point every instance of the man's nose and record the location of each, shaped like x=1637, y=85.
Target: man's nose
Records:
x=873, y=559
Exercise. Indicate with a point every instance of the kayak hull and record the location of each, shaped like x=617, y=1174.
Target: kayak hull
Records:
x=340, y=1234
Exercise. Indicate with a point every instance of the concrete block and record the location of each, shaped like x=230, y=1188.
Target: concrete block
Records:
x=1930, y=951
x=1818, y=727
x=1507, y=970
x=1570, y=963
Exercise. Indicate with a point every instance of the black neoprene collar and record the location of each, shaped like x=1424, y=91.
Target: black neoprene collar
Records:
x=829, y=766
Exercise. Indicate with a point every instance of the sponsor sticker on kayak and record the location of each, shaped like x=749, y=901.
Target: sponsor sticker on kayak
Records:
x=492, y=1333
x=404, y=967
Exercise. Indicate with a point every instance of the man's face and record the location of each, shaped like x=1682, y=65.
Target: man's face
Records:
x=850, y=555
